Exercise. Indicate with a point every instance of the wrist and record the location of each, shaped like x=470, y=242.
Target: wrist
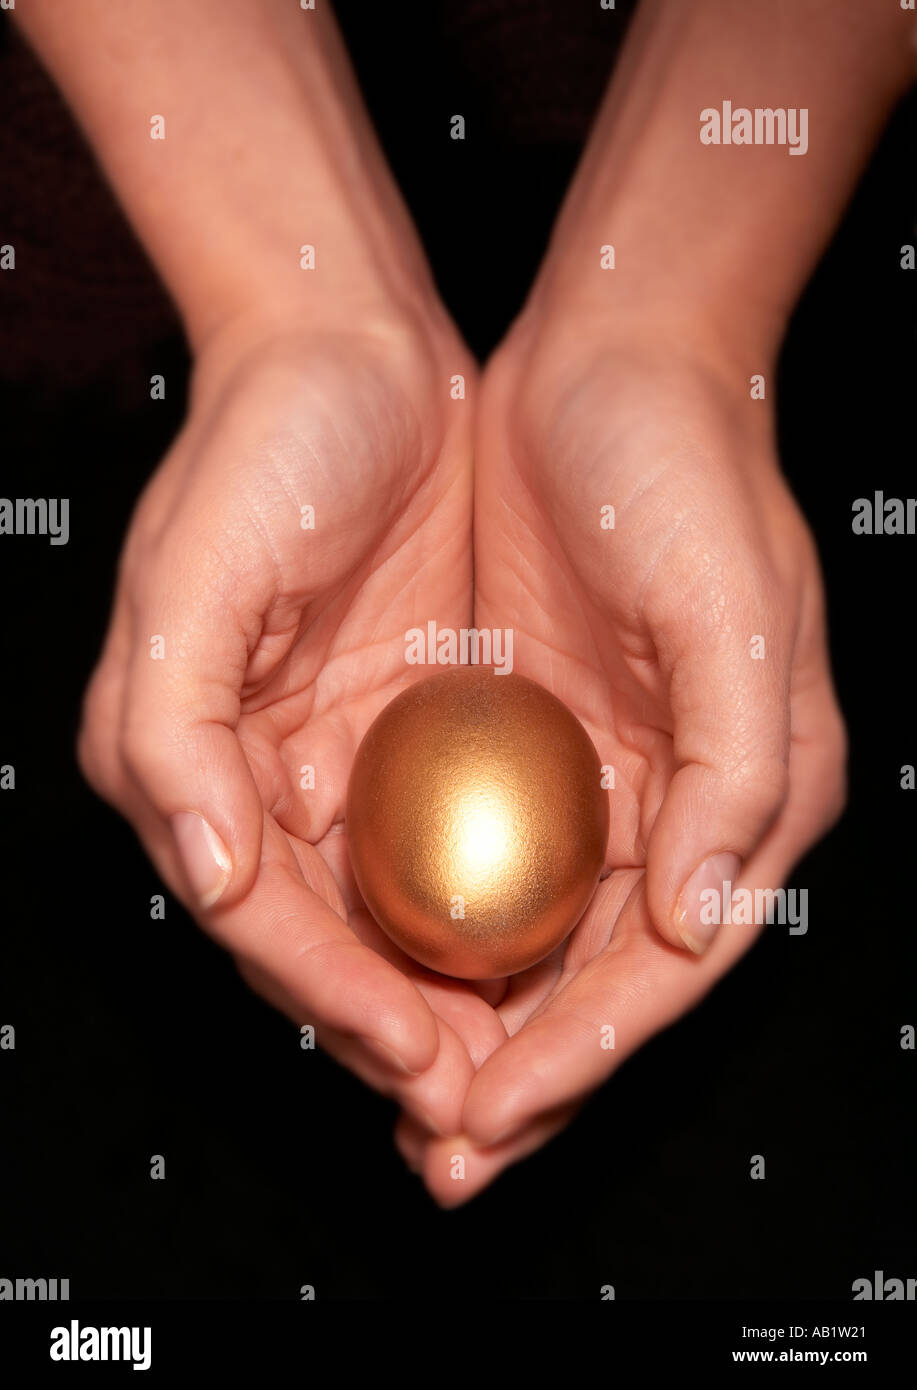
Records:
x=271, y=281
x=408, y=345
x=667, y=299
x=566, y=328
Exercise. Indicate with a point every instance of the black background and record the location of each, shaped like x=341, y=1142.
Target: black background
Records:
x=136, y=1037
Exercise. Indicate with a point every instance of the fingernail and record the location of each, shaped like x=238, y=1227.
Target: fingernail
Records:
x=205, y=857
x=700, y=906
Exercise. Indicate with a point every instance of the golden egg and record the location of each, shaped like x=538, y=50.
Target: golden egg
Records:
x=476, y=821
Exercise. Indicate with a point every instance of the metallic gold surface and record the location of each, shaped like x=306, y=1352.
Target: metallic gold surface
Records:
x=477, y=792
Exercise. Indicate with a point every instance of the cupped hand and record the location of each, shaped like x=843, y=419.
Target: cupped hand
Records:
x=689, y=638
x=316, y=505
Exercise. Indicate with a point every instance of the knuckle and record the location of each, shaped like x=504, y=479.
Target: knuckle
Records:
x=139, y=751
x=95, y=743
x=766, y=784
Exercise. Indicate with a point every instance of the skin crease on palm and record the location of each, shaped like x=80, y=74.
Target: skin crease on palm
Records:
x=283, y=644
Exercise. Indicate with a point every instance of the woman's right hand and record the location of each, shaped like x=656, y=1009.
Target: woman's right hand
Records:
x=244, y=650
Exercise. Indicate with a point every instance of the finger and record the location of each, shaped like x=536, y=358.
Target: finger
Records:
x=454, y=1001
x=411, y=1139
x=98, y=739
x=475, y=1022
x=190, y=649
x=459, y=1002
x=286, y=928
x=633, y=988
x=491, y=991
x=818, y=785
x=433, y=1099
x=455, y=1169
x=727, y=654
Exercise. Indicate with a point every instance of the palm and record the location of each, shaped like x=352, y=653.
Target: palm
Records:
x=317, y=681
x=594, y=613
x=343, y=663
x=539, y=570
x=306, y=628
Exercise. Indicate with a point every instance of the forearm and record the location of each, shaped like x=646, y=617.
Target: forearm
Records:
x=267, y=148
x=721, y=237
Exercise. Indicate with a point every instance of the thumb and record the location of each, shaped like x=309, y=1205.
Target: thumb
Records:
x=729, y=690
x=182, y=705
